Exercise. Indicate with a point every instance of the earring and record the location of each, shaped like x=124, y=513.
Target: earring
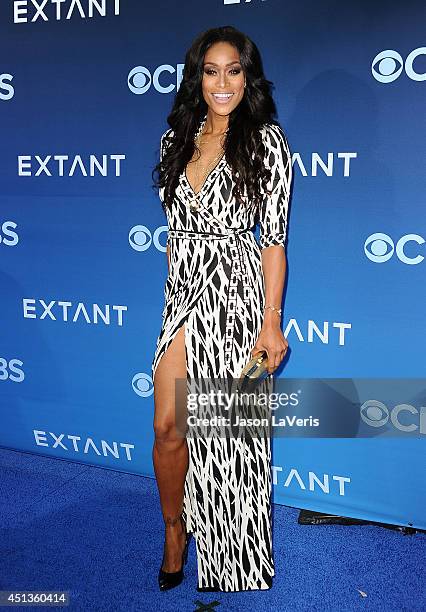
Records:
x=245, y=83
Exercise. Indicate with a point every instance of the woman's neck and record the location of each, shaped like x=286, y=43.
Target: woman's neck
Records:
x=215, y=124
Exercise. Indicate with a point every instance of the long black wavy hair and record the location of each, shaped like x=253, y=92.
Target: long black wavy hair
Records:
x=243, y=139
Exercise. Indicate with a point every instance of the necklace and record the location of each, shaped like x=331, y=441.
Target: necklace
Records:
x=195, y=202
x=212, y=136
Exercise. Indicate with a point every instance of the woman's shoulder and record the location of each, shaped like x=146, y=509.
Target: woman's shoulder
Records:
x=277, y=150
x=167, y=135
x=165, y=140
x=273, y=135
x=168, y=132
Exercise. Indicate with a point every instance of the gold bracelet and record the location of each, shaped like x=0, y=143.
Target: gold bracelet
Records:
x=278, y=310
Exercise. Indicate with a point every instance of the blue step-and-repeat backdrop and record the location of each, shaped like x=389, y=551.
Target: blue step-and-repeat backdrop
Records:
x=85, y=89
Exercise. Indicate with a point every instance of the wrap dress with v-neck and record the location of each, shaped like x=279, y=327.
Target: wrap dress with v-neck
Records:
x=215, y=287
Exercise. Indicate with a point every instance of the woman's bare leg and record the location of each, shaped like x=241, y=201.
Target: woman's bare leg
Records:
x=170, y=450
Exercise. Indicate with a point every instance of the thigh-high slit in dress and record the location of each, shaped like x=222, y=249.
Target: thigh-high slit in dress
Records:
x=215, y=287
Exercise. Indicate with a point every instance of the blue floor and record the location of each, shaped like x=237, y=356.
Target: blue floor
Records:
x=98, y=534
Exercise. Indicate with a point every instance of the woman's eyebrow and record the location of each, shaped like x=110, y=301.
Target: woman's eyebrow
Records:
x=229, y=64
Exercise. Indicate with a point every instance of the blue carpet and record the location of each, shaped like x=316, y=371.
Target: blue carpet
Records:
x=98, y=534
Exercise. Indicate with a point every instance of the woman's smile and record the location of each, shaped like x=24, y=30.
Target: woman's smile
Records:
x=222, y=98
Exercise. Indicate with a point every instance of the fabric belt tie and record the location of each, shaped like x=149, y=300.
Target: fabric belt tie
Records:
x=177, y=233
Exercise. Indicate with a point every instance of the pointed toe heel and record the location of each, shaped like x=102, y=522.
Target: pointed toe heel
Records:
x=170, y=580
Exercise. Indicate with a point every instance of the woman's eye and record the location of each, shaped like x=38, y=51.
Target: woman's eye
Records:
x=233, y=70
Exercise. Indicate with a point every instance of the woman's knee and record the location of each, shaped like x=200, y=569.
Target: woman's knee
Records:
x=166, y=432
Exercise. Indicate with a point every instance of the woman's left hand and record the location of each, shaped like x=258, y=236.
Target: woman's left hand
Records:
x=272, y=340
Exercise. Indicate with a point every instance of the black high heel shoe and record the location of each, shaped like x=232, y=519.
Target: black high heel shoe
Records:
x=169, y=580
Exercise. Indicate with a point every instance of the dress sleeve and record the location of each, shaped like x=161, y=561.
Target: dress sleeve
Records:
x=163, y=143
x=273, y=210
x=163, y=147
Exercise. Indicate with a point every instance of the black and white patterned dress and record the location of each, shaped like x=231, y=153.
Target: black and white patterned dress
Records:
x=216, y=287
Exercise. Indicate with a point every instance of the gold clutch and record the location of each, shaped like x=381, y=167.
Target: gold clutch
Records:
x=253, y=372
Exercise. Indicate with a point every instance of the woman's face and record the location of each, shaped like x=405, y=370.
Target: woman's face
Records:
x=222, y=74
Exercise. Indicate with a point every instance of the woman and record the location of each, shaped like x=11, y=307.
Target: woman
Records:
x=223, y=165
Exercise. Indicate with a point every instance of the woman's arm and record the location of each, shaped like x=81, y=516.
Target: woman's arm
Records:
x=274, y=265
x=271, y=338
x=273, y=230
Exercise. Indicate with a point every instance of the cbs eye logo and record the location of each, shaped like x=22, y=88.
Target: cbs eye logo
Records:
x=140, y=238
x=388, y=65
x=376, y=414
x=140, y=78
x=379, y=248
x=142, y=384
